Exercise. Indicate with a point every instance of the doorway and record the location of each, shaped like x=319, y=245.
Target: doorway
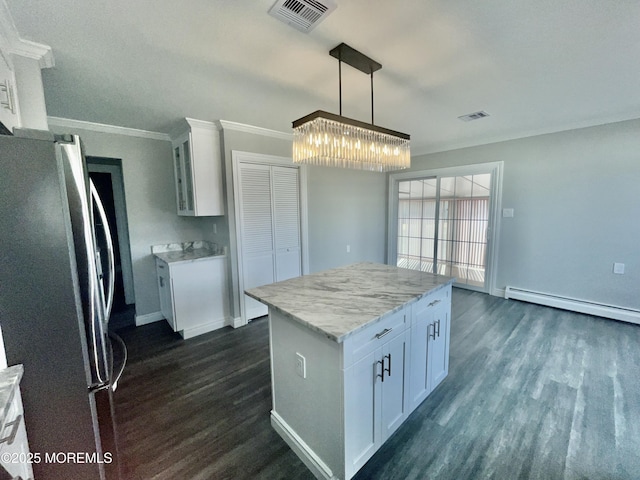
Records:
x=443, y=223
x=270, y=211
x=106, y=174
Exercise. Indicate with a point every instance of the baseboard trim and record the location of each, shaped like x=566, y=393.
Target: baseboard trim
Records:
x=148, y=318
x=238, y=322
x=300, y=448
x=203, y=328
x=574, y=304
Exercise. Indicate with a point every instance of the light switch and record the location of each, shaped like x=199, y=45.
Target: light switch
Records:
x=507, y=212
x=618, y=268
x=301, y=366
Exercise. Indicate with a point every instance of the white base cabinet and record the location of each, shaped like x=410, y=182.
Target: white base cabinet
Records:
x=429, y=344
x=335, y=404
x=193, y=294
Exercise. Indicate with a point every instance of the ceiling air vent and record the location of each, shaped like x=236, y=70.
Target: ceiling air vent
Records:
x=302, y=15
x=474, y=116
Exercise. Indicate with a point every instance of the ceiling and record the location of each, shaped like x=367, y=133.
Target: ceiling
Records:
x=535, y=66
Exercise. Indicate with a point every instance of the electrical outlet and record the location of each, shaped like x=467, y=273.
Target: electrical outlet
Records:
x=348, y=248
x=215, y=228
x=301, y=365
x=507, y=212
x=618, y=268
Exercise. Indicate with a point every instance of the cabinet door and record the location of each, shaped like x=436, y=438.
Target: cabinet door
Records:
x=181, y=198
x=439, y=346
x=393, y=402
x=9, y=114
x=421, y=329
x=187, y=169
x=164, y=290
x=362, y=410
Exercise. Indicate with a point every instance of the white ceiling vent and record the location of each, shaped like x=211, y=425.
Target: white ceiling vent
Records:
x=474, y=116
x=302, y=15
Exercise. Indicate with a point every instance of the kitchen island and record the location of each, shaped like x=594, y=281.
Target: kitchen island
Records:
x=354, y=350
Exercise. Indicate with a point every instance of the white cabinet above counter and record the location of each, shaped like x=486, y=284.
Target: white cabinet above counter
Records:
x=192, y=284
x=197, y=161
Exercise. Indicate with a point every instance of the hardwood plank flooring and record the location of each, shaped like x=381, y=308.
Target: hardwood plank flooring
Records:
x=532, y=393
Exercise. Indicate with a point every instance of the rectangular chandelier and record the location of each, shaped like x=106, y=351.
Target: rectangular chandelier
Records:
x=325, y=139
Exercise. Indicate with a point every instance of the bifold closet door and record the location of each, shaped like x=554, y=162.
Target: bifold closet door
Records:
x=269, y=226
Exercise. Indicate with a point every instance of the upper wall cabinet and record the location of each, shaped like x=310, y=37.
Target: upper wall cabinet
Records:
x=9, y=113
x=198, y=169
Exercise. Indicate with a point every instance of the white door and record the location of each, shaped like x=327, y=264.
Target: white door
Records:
x=269, y=201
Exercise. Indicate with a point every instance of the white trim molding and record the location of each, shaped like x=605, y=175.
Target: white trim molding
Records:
x=104, y=128
x=10, y=41
x=573, y=304
x=242, y=127
x=148, y=318
x=304, y=452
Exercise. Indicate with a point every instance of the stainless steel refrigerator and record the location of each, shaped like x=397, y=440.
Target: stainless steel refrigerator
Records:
x=56, y=291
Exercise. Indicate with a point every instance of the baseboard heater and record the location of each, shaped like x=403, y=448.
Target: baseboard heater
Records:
x=573, y=304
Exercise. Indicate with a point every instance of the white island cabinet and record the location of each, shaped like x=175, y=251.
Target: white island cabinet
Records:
x=344, y=376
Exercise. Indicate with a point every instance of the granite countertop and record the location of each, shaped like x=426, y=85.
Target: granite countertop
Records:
x=341, y=301
x=187, y=251
x=9, y=380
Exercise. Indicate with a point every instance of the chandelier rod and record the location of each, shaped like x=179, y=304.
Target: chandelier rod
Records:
x=358, y=61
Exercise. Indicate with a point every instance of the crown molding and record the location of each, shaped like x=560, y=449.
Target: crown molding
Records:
x=420, y=150
x=11, y=43
x=242, y=127
x=104, y=128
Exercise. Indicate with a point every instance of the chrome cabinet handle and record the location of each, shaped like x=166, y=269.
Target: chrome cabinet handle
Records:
x=438, y=331
x=386, y=331
x=429, y=333
x=435, y=302
x=14, y=430
x=8, y=104
x=161, y=279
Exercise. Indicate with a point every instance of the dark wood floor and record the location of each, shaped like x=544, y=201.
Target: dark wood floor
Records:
x=532, y=393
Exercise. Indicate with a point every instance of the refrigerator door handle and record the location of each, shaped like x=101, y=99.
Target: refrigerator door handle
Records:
x=110, y=254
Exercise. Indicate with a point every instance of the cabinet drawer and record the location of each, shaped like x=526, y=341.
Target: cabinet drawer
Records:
x=438, y=298
x=373, y=336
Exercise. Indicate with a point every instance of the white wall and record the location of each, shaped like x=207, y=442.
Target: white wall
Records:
x=577, y=210
x=151, y=205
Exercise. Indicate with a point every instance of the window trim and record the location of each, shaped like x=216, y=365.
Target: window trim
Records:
x=496, y=169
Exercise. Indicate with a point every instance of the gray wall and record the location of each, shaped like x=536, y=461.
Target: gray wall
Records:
x=344, y=207
x=151, y=205
x=577, y=210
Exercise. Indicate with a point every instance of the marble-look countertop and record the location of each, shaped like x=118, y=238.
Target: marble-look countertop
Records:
x=187, y=251
x=342, y=301
x=9, y=380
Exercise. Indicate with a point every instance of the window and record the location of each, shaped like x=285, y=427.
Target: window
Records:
x=444, y=222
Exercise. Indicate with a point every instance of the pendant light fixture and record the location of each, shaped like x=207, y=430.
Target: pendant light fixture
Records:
x=323, y=138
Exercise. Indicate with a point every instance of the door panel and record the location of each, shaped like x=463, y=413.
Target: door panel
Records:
x=257, y=232
x=439, y=348
x=269, y=201
x=393, y=394
x=361, y=412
